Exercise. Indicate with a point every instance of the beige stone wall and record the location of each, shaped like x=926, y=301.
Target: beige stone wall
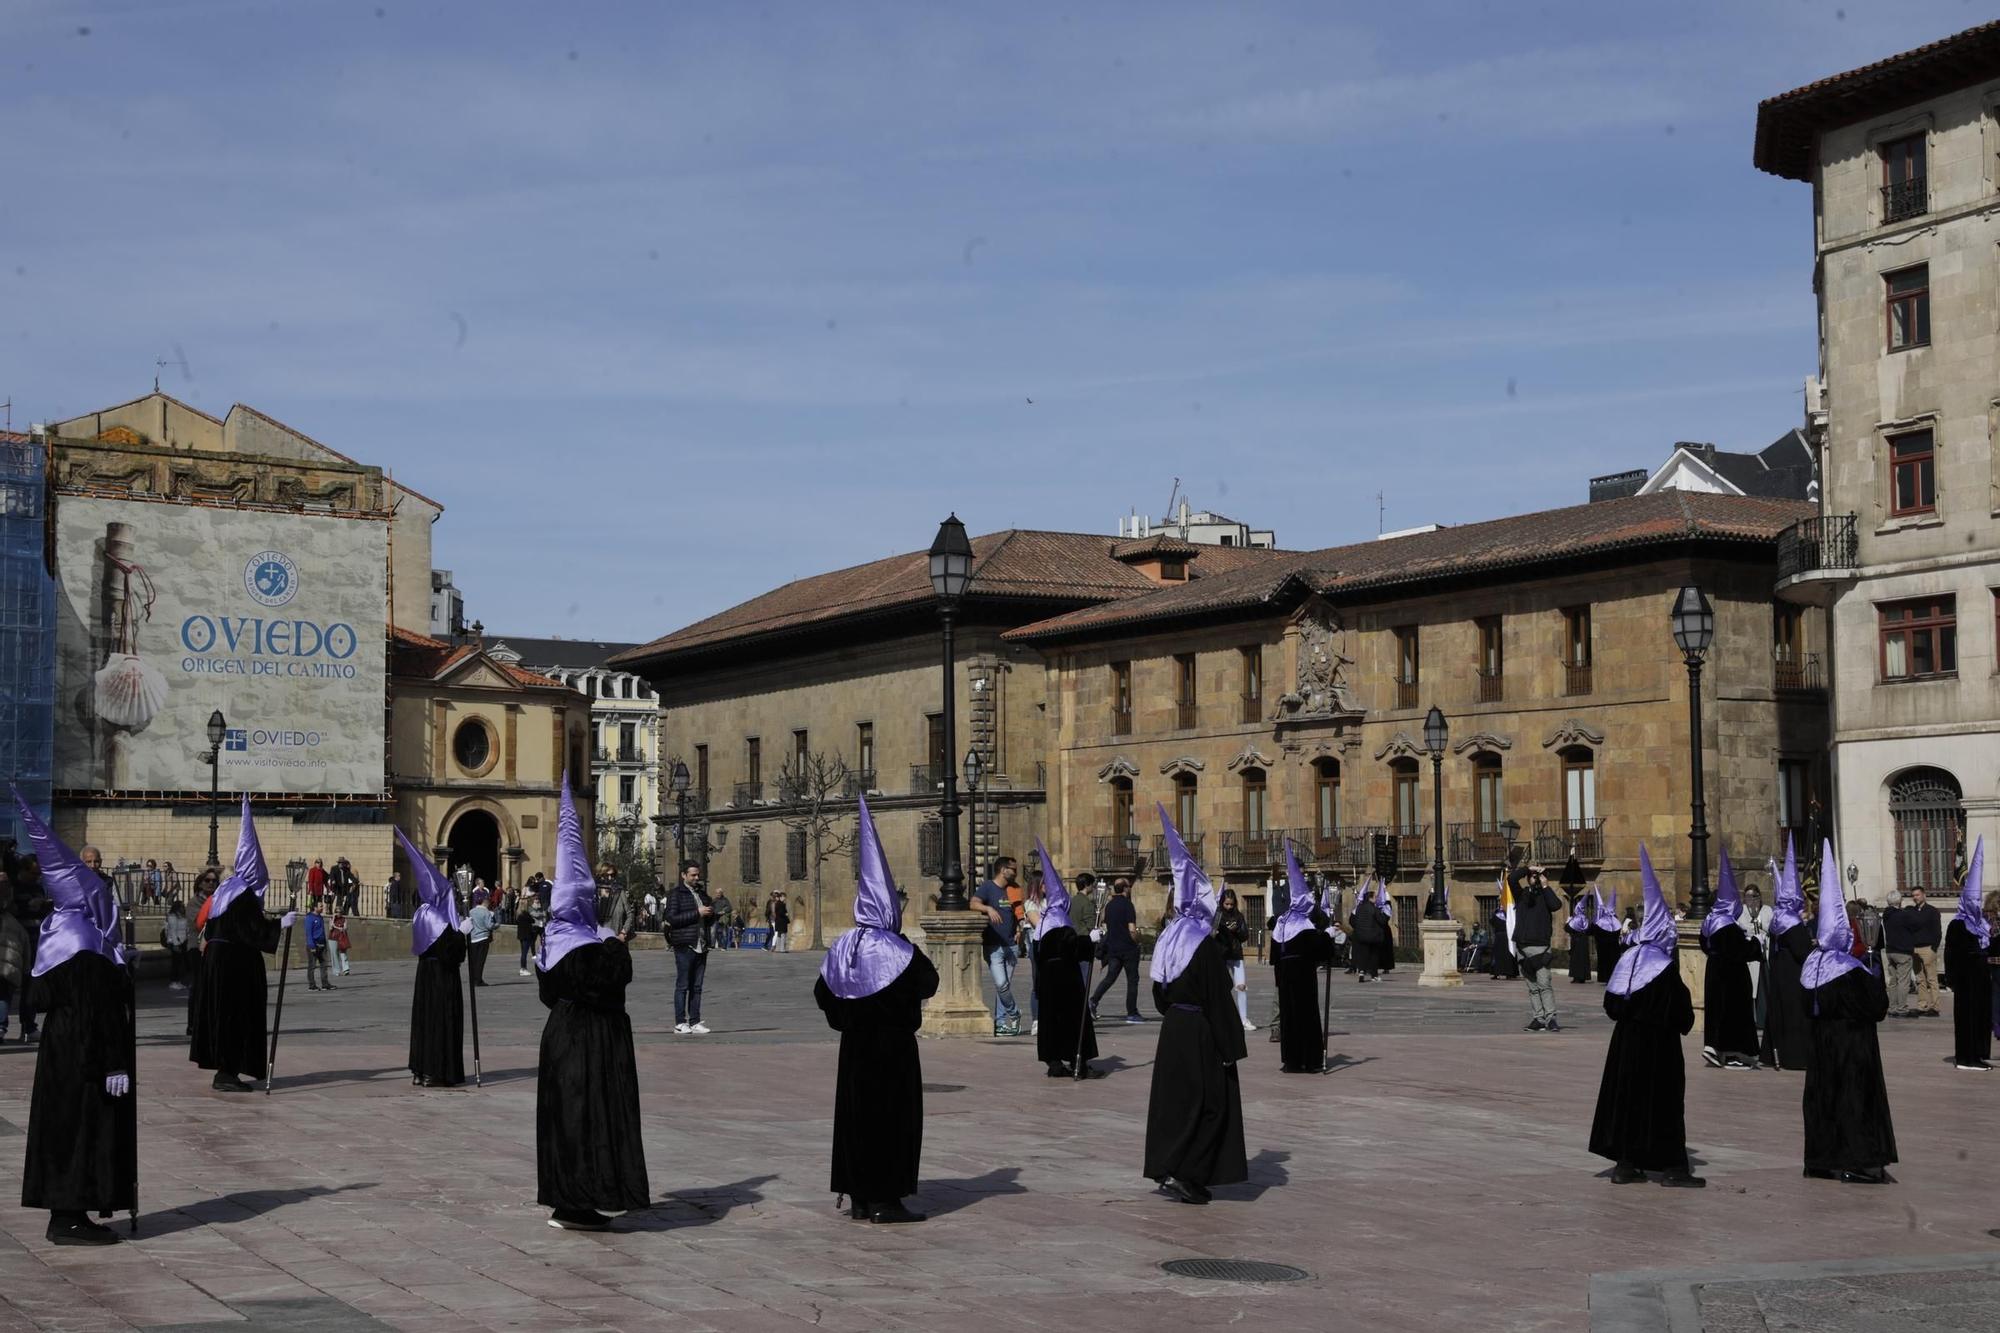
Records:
x=141, y=833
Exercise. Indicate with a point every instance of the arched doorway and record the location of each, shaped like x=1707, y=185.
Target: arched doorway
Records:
x=475, y=842
x=1929, y=818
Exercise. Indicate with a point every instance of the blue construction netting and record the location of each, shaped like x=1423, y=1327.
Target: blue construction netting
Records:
x=27, y=633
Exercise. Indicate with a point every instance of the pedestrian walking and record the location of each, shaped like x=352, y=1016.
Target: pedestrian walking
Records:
x=614, y=911
x=1641, y=1118
x=781, y=923
x=316, y=881
x=1532, y=922
x=343, y=886
x=339, y=940
x=479, y=935
x=528, y=929
x=1368, y=927
x=725, y=922
x=1729, y=1018
x=1066, y=1041
x=1232, y=932
x=1118, y=949
x=1849, y=1134
x=174, y=938
x=872, y=986
x=996, y=942
x=1966, y=945
x=689, y=930
x=316, y=950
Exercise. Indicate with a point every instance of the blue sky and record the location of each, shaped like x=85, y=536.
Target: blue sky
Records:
x=671, y=303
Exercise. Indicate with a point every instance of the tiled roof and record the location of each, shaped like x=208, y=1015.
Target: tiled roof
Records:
x=1019, y=564
x=1552, y=536
x=1788, y=123
x=422, y=656
x=1159, y=543
x=575, y=654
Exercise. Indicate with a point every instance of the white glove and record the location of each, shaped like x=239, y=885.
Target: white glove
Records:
x=117, y=1085
x=289, y=919
x=1097, y=935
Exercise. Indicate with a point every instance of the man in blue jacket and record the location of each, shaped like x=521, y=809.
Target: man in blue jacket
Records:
x=316, y=956
x=690, y=930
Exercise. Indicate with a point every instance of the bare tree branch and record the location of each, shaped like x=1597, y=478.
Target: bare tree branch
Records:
x=813, y=791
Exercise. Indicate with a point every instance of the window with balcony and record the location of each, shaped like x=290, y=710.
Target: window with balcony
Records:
x=1904, y=188
x=1794, y=799
x=1408, y=666
x=1253, y=682
x=936, y=760
x=1121, y=698
x=1185, y=700
x=1121, y=809
x=1490, y=659
x=1576, y=650
x=1253, y=803
x=628, y=791
x=628, y=742
x=753, y=760
x=749, y=856
x=1919, y=638
x=1326, y=806
x=1909, y=302
x=1403, y=777
x=1186, y=807
x=1794, y=670
x=1489, y=803
x=1912, y=474
x=864, y=755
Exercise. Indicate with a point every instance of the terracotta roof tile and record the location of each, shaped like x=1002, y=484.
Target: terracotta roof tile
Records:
x=1016, y=564
x=422, y=656
x=1519, y=541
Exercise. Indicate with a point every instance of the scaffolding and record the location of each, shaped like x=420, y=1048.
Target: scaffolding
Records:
x=27, y=632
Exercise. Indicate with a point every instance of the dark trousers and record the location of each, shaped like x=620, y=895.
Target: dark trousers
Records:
x=177, y=961
x=476, y=959
x=690, y=968
x=1113, y=964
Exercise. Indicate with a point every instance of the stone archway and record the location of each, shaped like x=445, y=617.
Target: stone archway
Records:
x=474, y=839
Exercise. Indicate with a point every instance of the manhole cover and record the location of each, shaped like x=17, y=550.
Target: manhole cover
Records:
x=1234, y=1270
x=944, y=1087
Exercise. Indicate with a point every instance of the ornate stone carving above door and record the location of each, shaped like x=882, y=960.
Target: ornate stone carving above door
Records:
x=1121, y=767
x=1573, y=732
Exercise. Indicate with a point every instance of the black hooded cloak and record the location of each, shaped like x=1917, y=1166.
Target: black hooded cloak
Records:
x=1641, y=1114
x=878, y=1095
x=1194, y=1117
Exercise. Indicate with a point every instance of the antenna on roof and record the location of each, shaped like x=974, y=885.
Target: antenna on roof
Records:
x=1172, y=496
x=1380, y=509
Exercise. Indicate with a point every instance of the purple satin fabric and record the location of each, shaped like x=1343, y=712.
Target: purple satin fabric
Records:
x=1297, y=916
x=1834, y=958
x=867, y=958
x=1972, y=897
x=1788, y=899
x=1194, y=902
x=1055, y=907
x=1728, y=898
x=573, y=896
x=249, y=875
x=85, y=915
x=1652, y=949
x=437, y=907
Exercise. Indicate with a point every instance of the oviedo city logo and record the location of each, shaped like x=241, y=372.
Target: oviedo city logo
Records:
x=271, y=578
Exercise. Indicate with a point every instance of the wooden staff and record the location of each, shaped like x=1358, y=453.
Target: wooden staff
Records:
x=1083, y=1021
x=278, y=1015
x=1326, y=1019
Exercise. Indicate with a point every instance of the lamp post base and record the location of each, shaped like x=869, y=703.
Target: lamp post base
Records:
x=959, y=1008
x=1440, y=954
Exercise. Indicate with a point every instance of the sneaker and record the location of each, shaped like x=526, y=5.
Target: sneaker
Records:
x=1035, y=1027
x=1552, y=1026
x=1135, y=1018
x=1710, y=1057
x=698, y=1029
x=524, y=971
x=1535, y=1025
x=1976, y=1066
x=682, y=1029
x=1248, y=1026
x=578, y=1219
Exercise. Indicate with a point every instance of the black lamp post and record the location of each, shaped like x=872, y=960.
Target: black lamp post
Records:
x=1436, y=733
x=951, y=571
x=1694, y=631
x=217, y=729
x=677, y=783
x=974, y=771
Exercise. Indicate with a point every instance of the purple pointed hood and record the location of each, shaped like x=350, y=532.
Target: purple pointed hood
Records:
x=437, y=907
x=85, y=915
x=573, y=897
x=1788, y=900
x=1834, y=958
x=1582, y=909
x=1194, y=909
x=1728, y=898
x=249, y=874
x=1972, y=896
x=1055, y=906
x=1652, y=949
x=1607, y=911
x=1297, y=915
x=865, y=959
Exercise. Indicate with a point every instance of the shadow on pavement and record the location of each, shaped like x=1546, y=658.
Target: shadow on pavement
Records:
x=948, y=1196
x=1267, y=1169
x=285, y=1082
x=1339, y=1061
x=695, y=1208
x=240, y=1207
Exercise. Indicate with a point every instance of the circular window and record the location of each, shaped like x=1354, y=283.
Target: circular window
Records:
x=472, y=746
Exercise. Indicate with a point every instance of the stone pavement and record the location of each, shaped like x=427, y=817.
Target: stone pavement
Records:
x=1436, y=1177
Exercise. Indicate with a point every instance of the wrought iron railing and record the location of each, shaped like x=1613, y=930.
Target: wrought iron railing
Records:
x=1576, y=678
x=1798, y=675
x=1121, y=722
x=1555, y=837
x=1161, y=860
x=1473, y=843
x=1905, y=199
x=925, y=778
x=1412, y=845
x=1406, y=694
x=1826, y=541
x=930, y=848
x=1490, y=691
x=1253, y=708
x=748, y=793
x=857, y=782
x=1256, y=849
x=1187, y=715
x=1115, y=854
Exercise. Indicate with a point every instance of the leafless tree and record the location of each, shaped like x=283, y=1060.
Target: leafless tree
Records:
x=814, y=790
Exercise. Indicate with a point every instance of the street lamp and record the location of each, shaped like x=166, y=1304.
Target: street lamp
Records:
x=951, y=571
x=217, y=729
x=974, y=771
x=1436, y=733
x=677, y=783
x=1694, y=630
x=1510, y=829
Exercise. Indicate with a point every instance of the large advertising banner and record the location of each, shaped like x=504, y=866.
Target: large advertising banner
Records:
x=168, y=613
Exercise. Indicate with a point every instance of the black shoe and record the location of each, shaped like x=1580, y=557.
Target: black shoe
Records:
x=1873, y=1175
x=1181, y=1191
x=227, y=1083
x=80, y=1231
x=579, y=1219
x=1089, y=1070
x=1978, y=1066
x=1274, y=1032
x=1738, y=1062
x=892, y=1214
x=858, y=1211
x=1815, y=1173
x=310, y=986
x=1711, y=1057
x=1057, y=1069
x=1683, y=1179
x=1535, y=1025
x=1624, y=1173
x=1552, y=1026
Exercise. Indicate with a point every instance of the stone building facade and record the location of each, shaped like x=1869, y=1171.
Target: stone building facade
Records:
x=1289, y=701
x=1904, y=160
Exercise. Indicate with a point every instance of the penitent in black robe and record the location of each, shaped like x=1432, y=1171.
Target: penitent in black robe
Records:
x=1608, y=949
x=1501, y=961
x=1729, y=1006
x=437, y=1013
x=878, y=1095
x=83, y=1146
x=1194, y=1118
x=588, y=1153
x=1301, y=1045
x=1641, y=1115
x=227, y=1026
x=1059, y=998
x=1966, y=972
x=1846, y=1100
x=1787, y=1034
x=1579, y=952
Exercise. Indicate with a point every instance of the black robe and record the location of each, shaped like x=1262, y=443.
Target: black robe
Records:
x=1059, y=958
x=1729, y=1007
x=437, y=1013
x=1787, y=1034
x=83, y=1145
x=1966, y=972
x=1579, y=953
x=1368, y=937
x=878, y=1095
x=1500, y=961
x=1385, y=950
x=1641, y=1115
x=588, y=1149
x=227, y=1008
x=1846, y=1101
x=1296, y=963
x=1608, y=949
x=1194, y=1117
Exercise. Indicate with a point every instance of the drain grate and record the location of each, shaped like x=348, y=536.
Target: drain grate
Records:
x=944, y=1087
x=1234, y=1270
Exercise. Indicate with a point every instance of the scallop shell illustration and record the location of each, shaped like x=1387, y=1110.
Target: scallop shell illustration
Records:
x=129, y=692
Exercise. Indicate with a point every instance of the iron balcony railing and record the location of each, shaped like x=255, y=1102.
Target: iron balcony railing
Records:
x=1253, y=708
x=1905, y=199
x=1826, y=541
x=1161, y=860
x=1187, y=715
x=1406, y=694
x=1121, y=722
x=1576, y=678
x=748, y=793
x=1798, y=675
x=1473, y=843
x=1554, y=839
x=1413, y=845
x=1489, y=687
x=925, y=778
x=858, y=782
x=1115, y=854
x=930, y=848
x=1256, y=849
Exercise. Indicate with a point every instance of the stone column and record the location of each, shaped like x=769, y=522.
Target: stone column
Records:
x=1440, y=954
x=1688, y=956
x=959, y=1008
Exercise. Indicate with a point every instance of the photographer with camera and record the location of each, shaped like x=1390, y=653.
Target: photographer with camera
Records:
x=1536, y=908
